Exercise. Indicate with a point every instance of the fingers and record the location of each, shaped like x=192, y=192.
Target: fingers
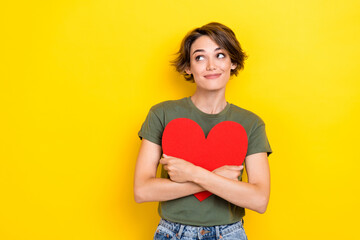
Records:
x=164, y=161
x=166, y=168
x=234, y=167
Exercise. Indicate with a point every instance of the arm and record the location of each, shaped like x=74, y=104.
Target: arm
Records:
x=253, y=195
x=147, y=187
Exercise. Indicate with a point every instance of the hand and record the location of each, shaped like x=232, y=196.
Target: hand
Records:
x=178, y=169
x=229, y=171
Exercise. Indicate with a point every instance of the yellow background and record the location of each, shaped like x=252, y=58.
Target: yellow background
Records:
x=77, y=81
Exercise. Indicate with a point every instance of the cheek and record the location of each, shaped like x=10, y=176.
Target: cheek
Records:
x=225, y=65
x=197, y=69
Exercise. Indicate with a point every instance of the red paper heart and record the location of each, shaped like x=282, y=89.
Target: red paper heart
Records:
x=226, y=144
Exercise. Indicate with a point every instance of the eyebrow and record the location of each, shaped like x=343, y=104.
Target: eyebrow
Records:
x=202, y=50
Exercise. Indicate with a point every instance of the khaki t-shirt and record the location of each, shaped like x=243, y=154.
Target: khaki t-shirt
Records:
x=213, y=210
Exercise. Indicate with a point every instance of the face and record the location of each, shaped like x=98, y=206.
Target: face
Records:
x=210, y=64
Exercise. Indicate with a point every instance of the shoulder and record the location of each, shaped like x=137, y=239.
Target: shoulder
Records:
x=245, y=114
x=170, y=105
x=248, y=119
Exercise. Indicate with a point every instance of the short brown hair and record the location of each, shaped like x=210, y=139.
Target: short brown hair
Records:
x=220, y=34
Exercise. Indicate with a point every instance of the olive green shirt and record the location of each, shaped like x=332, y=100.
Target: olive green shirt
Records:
x=213, y=210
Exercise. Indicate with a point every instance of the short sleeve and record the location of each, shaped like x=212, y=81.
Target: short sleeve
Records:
x=152, y=128
x=258, y=141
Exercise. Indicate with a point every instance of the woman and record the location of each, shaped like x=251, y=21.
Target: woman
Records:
x=208, y=55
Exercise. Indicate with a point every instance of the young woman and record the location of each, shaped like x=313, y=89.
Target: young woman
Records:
x=208, y=55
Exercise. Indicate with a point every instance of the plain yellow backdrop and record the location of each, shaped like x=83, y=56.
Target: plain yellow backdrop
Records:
x=79, y=77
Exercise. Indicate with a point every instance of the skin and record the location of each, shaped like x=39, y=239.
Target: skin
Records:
x=210, y=66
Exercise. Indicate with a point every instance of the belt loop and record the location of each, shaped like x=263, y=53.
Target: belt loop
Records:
x=178, y=235
x=218, y=236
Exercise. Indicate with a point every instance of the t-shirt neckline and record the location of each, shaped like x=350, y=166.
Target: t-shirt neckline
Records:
x=192, y=105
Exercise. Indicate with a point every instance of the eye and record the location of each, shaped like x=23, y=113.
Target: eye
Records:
x=199, y=58
x=221, y=55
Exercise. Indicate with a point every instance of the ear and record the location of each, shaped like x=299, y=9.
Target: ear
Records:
x=187, y=70
x=233, y=66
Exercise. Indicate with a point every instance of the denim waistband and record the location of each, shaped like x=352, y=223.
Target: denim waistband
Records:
x=203, y=231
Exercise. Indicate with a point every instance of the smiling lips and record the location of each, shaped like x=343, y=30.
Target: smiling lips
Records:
x=212, y=76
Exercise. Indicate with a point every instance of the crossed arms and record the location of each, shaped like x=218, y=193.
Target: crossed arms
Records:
x=186, y=179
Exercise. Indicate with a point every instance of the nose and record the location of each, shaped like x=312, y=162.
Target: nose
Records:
x=210, y=65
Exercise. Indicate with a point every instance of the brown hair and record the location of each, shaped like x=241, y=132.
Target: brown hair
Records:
x=220, y=34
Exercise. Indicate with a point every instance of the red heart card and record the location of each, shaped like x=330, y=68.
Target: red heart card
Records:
x=226, y=144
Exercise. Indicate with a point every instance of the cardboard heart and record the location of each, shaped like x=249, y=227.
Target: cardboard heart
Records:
x=226, y=144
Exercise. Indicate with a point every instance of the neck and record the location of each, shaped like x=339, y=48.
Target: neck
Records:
x=209, y=102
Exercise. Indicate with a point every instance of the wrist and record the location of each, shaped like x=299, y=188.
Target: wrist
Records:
x=197, y=174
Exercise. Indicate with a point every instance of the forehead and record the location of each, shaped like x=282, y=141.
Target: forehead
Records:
x=205, y=43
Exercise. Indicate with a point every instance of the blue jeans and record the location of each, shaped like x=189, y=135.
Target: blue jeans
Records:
x=167, y=230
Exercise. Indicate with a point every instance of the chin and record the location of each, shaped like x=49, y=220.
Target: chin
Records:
x=212, y=89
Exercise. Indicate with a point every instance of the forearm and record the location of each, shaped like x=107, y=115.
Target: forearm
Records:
x=163, y=189
x=242, y=194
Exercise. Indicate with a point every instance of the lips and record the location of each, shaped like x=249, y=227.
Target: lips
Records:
x=212, y=76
